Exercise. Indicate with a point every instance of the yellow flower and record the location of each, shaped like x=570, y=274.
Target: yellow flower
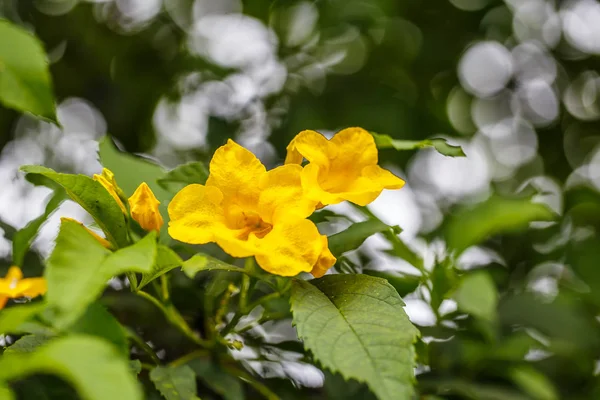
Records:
x=99, y=238
x=144, y=208
x=13, y=286
x=343, y=168
x=248, y=211
x=107, y=179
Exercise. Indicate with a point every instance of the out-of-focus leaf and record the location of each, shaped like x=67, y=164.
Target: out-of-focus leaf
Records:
x=28, y=343
x=93, y=197
x=441, y=145
x=92, y=366
x=470, y=390
x=356, y=234
x=584, y=257
x=404, y=284
x=9, y=230
x=25, y=82
x=166, y=260
x=229, y=387
x=175, y=383
x=202, y=262
x=443, y=280
x=477, y=295
x=400, y=249
x=324, y=216
x=6, y=393
x=23, y=238
x=355, y=325
x=97, y=321
x=533, y=383
x=183, y=175
x=496, y=215
x=11, y=319
x=338, y=388
x=79, y=268
x=135, y=366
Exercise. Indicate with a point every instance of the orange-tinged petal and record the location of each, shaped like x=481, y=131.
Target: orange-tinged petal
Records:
x=293, y=246
x=310, y=145
x=105, y=243
x=325, y=261
x=3, y=300
x=282, y=194
x=144, y=208
x=236, y=172
x=195, y=213
x=107, y=179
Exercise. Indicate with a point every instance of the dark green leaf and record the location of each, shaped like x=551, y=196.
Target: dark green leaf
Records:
x=97, y=321
x=351, y=238
x=28, y=344
x=166, y=260
x=441, y=145
x=183, y=175
x=175, y=383
x=356, y=325
x=218, y=380
x=404, y=284
x=25, y=82
x=477, y=295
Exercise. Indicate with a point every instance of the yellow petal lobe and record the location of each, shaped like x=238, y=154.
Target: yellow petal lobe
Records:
x=13, y=286
x=105, y=243
x=107, y=180
x=143, y=206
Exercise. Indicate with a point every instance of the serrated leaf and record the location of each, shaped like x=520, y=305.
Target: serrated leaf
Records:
x=92, y=366
x=79, y=267
x=472, y=225
x=229, y=387
x=93, y=197
x=25, y=82
x=356, y=234
x=183, y=175
x=175, y=383
x=22, y=238
x=441, y=145
x=97, y=321
x=28, y=343
x=202, y=262
x=11, y=319
x=356, y=325
x=166, y=260
x=477, y=295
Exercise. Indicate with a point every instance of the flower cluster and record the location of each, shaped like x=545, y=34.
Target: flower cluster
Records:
x=249, y=211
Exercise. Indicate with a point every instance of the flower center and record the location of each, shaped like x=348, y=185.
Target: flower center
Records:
x=254, y=224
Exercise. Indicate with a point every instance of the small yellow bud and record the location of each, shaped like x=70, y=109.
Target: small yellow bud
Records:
x=99, y=238
x=107, y=179
x=144, y=208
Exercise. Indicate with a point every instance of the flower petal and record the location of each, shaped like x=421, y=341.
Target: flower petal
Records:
x=32, y=287
x=325, y=261
x=144, y=208
x=3, y=300
x=293, y=246
x=14, y=273
x=312, y=187
x=282, y=194
x=195, y=213
x=356, y=149
x=310, y=145
x=236, y=172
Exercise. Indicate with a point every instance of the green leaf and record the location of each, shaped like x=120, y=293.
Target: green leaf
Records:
x=477, y=295
x=202, y=262
x=441, y=145
x=25, y=82
x=28, y=344
x=135, y=366
x=92, y=366
x=97, y=321
x=6, y=393
x=175, y=383
x=496, y=215
x=229, y=387
x=79, y=267
x=93, y=197
x=166, y=260
x=355, y=325
x=533, y=383
x=183, y=175
x=11, y=319
x=400, y=249
x=356, y=234
x=23, y=238
x=404, y=284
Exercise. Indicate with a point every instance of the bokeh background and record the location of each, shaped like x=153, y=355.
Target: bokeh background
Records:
x=516, y=83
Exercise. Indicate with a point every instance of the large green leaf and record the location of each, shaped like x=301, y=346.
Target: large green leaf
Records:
x=93, y=197
x=166, y=260
x=97, y=321
x=23, y=238
x=183, y=175
x=79, y=268
x=496, y=215
x=477, y=295
x=355, y=325
x=25, y=83
x=175, y=383
x=12, y=319
x=441, y=145
x=356, y=234
x=92, y=366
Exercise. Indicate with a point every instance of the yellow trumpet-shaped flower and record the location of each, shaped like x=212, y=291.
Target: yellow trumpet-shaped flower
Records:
x=13, y=286
x=107, y=179
x=99, y=238
x=248, y=211
x=343, y=168
x=144, y=208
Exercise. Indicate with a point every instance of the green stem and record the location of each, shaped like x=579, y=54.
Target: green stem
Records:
x=263, y=300
x=260, y=321
x=189, y=357
x=164, y=284
x=142, y=345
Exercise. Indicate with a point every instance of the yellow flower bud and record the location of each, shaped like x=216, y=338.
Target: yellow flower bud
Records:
x=144, y=208
x=99, y=238
x=107, y=179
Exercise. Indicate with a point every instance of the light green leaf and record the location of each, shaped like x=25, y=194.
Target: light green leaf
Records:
x=202, y=262
x=79, y=267
x=135, y=366
x=477, y=295
x=23, y=238
x=6, y=393
x=25, y=82
x=183, y=175
x=11, y=319
x=92, y=196
x=28, y=344
x=356, y=234
x=400, y=249
x=534, y=383
x=166, y=260
x=92, y=366
x=175, y=383
x=229, y=387
x=496, y=215
x=97, y=321
x=355, y=325
x=441, y=145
